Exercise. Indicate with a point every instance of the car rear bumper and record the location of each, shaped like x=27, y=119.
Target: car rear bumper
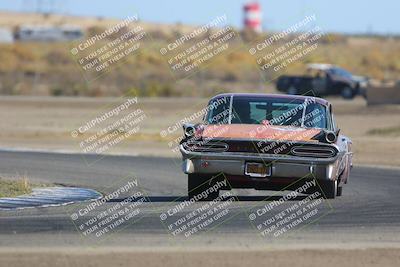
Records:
x=282, y=166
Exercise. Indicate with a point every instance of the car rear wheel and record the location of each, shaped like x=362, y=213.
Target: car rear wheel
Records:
x=329, y=189
x=292, y=91
x=197, y=184
x=339, y=191
x=347, y=93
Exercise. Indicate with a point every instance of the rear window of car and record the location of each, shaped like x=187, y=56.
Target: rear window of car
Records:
x=218, y=111
x=315, y=116
x=274, y=111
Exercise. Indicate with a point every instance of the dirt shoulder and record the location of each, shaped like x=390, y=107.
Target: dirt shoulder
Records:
x=45, y=123
x=263, y=257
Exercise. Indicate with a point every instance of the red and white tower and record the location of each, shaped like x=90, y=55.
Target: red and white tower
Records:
x=252, y=16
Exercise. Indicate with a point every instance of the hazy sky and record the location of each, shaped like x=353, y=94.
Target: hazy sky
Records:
x=350, y=16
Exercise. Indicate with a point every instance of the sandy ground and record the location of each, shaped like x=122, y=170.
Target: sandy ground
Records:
x=46, y=124
x=215, y=257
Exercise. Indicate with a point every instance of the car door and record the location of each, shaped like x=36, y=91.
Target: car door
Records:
x=319, y=84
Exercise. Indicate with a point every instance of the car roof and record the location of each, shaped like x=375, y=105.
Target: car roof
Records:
x=275, y=96
x=320, y=66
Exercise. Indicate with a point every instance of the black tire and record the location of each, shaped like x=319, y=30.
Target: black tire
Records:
x=347, y=93
x=328, y=189
x=292, y=90
x=197, y=184
x=339, y=191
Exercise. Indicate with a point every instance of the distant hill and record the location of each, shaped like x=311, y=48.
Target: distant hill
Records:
x=14, y=19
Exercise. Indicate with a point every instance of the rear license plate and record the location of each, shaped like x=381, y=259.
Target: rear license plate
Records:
x=255, y=169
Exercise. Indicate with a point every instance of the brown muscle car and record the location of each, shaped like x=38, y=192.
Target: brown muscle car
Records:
x=265, y=142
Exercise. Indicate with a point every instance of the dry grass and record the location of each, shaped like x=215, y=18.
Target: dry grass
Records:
x=388, y=131
x=49, y=68
x=18, y=185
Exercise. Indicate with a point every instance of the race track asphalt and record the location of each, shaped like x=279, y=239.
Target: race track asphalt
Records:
x=368, y=211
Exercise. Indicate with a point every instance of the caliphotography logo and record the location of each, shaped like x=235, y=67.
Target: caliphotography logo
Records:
x=201, y=133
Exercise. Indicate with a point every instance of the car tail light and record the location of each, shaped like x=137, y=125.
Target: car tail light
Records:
x=318, y=152
x=207, y=146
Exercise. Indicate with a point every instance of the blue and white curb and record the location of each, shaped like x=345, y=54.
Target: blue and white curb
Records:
x=51, y=196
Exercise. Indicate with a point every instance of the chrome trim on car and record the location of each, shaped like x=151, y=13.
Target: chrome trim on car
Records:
x=208, y=147
x=330, y=137
x=326, y=152
x=187, y=166
x=257, y=156
x=230, y=109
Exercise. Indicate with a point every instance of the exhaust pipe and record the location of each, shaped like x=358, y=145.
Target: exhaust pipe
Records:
x=330, y=137
x=189, y=130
